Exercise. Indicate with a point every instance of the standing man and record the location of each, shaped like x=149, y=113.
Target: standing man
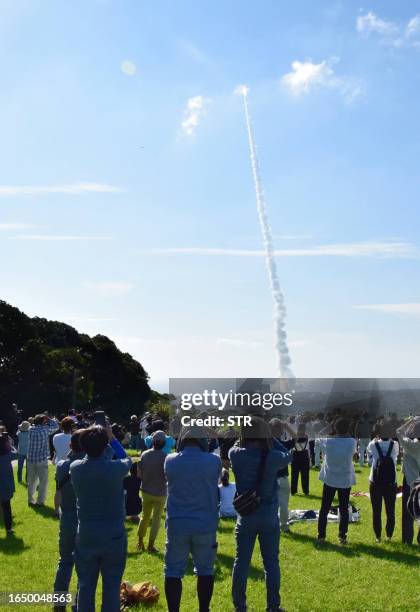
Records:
x=23, y=440
x=363, y=434
x=192, y=516
x=37, y=457
x=68, y=516
x=101, y=540
x=134, y=429
x=409, y=436
x=153, y=489
x=337, y=474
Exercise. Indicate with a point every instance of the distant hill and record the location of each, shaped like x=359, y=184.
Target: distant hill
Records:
x=48, y=365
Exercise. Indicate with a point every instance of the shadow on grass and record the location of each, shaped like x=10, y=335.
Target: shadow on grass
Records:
x=11, y=545
x=45, y=511
x=356, y=550
x=227, y=561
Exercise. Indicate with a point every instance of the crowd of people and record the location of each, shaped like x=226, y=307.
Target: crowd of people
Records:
x=197, y=479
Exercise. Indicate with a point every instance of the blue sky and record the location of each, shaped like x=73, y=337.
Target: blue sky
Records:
x=126, y=198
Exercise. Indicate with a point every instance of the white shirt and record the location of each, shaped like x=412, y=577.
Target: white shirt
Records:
x=61, y=443
x=337, y=467
x=373, y=455
x=226, y=500
x=411, y=459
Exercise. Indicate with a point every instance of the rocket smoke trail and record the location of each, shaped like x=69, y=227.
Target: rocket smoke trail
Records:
x=282, y=349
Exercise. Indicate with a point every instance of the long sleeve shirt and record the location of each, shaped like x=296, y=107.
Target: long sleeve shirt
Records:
x=38, y=441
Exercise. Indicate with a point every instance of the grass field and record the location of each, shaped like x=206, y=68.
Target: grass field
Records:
x=364, y=576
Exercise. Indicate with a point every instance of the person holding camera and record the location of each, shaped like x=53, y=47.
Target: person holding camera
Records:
x=37, y=458
x=101, y=540
x=256, y=461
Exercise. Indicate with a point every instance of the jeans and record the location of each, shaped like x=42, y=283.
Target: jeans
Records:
x=317, y=451
x=152, y=504
x=246, y=533
x=7, y=514
x=101, y=550
x=388, y=493
x=300, y=465
x=66, y=544
x=283, y=494
x=135, y=441
x=21, y=463
x=203, y=549
x=363, y=444
x=37, y=474
x=328, y=494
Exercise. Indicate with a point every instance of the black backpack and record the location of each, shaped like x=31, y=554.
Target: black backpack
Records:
x=384, y=472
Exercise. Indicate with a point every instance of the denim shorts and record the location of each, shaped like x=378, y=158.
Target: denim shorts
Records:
x=203, y=549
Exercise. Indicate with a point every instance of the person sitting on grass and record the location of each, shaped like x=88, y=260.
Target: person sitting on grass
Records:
x=133, y=503
x=7, y=481
x=192, y=516
x=153, y=490
x=68, y=516
x=337, y=474
x=101, y=540
x=256, y=460
x=382, y=455
x=227, y=492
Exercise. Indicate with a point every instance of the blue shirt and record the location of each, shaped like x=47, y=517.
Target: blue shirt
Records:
x=169, y=444
x=68, y=497
x=193, y=495
x=245, y=463
x=98, y=485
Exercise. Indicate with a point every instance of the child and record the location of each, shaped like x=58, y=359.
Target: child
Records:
x=133, y=505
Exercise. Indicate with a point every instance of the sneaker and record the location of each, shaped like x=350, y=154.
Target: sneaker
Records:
x=342, y=540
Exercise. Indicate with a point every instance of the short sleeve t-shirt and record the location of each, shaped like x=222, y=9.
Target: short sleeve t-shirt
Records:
x=61, y=443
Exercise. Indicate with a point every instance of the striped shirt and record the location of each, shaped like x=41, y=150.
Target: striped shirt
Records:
x=38, y=444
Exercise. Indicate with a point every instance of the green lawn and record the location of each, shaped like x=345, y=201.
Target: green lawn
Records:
x=363, y=576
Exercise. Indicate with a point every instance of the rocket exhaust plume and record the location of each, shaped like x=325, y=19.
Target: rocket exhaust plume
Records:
x=283, y=357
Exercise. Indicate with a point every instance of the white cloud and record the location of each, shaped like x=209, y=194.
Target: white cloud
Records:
x=357, y=249
x=366, y=24
x=128, y=67
x=14, y=226
x=413, y=26
x=306, y=76
x=71, y=189
x=58, y=238
x=194, y=112
x=110, y=288
x=389, y=32
x=410, y=309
